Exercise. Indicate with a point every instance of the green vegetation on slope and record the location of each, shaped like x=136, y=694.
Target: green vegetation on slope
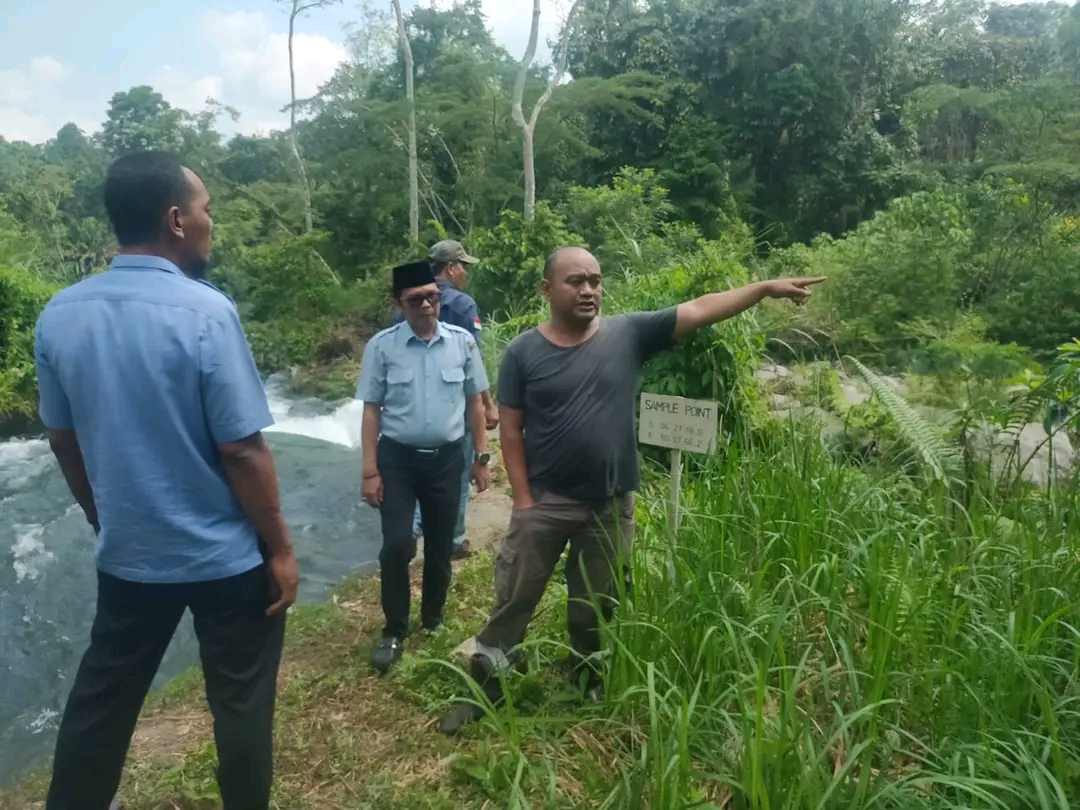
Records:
x=828, y=638
x=924, y=155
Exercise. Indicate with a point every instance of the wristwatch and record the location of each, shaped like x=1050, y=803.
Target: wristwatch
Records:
x=481, y=458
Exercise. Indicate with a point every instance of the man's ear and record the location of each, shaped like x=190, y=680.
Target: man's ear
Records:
x=174, y=221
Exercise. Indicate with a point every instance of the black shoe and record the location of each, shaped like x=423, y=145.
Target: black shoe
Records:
x=432, y=625
x=386, y=654
x=587, y=677
x=462, y=552
x=467, y=711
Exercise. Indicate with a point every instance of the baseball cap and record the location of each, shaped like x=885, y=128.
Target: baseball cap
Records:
x=448, y=251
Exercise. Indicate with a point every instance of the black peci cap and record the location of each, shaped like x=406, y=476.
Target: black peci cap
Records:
x=413, y=274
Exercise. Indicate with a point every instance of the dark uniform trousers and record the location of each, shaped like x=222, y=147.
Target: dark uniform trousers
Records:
x=600, y=535
x=240, y=647
x=432, y=477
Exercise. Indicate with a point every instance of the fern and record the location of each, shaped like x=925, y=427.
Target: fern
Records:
x=938, y=456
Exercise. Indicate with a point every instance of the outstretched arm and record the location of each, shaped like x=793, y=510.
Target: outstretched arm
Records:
x=716, y=307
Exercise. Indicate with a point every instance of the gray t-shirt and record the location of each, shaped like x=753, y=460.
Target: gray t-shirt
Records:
x=579, y=403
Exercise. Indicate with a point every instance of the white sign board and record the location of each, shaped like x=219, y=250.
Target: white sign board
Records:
x=677, y=423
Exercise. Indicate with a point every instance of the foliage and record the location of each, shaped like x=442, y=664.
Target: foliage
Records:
x=938, y=457
x=283, y=277
x=923, y=156
x=715, y=363
x=512, y=254
x=933, y=261
x=22, y=297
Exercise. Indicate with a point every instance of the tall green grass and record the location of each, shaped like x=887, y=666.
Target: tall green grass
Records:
x=828, y=639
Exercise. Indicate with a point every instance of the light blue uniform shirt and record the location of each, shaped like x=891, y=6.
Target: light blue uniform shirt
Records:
x=152, y=370
x=422, y=385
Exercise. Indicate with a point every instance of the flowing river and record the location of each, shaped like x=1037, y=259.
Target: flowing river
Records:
x=47, y=580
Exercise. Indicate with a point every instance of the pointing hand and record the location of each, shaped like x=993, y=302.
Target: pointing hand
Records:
x=794, y=289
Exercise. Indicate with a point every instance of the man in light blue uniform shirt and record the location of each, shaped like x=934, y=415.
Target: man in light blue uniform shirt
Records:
x=450, y=263
x=421, y=380
x=155, y=409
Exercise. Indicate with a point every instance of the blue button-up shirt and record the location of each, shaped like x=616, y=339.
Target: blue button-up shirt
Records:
x=455, y=307
x=422, y=385
x=152, y=370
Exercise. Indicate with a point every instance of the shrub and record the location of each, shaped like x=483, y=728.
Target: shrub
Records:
x=22, y=297
x=512, y=254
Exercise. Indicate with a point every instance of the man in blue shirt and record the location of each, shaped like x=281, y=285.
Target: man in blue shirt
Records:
x=421, y=382
x=154, y=410
x=450, y=262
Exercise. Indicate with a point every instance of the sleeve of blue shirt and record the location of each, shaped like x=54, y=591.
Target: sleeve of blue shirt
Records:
x=372, y=385
x=55, y=409
x=476, y=380
x=233, y=395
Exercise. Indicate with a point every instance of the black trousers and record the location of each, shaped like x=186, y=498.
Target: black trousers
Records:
x=240, y=647
x=432, y=477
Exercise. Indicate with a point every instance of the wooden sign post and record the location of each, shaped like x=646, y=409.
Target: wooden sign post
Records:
x=678, y=424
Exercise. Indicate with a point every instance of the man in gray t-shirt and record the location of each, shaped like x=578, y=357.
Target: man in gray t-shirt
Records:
x=566, y=397
x=578, y=404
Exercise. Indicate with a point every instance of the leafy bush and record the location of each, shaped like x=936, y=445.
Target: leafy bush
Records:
x=897, y=267
x=286, y=343
x=512, y=254
x=284, y=278
x=715, y=363
x=22, y=297
x=628, y=222
x=935, y=258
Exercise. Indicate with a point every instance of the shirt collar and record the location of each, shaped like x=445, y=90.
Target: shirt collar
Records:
x=443, y=284
x=142, y=262
x=408, y=334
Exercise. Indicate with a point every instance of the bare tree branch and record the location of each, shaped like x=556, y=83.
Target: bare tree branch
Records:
x=298, y=7
x=528, y=128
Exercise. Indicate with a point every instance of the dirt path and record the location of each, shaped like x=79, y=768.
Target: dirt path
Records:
x=488, y=517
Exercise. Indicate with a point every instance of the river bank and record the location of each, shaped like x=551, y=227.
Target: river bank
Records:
x=345, y=738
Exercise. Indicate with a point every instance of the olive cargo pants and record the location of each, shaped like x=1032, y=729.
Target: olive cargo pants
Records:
x=600, y=537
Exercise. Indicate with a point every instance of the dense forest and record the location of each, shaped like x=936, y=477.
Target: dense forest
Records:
x=925, y=156
x=872, y=597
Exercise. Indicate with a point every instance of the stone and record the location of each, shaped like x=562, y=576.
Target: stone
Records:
x=768, y=372
x=1041, y=459
x=780, y=402
x=853, y=395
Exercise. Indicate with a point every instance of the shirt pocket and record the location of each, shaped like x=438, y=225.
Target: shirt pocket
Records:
x=399, y=387
x=453, y=385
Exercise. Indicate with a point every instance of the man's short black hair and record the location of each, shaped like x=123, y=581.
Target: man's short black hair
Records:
x=139, y=189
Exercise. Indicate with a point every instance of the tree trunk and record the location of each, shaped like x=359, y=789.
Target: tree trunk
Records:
x=528, y=128
x=305, y=187
x=414, y=171
x=519, y=115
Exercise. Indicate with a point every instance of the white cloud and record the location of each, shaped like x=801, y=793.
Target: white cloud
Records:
x=183, y=91
x=48, y=69
x=249, y=70
x=254, y=65
x=511, y=21
x=19, y=88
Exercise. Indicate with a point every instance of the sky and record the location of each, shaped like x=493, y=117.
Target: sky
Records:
x=61, y=60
